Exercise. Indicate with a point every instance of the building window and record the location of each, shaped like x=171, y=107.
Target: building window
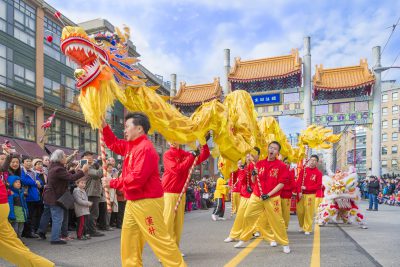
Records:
x=24, y=22
x=384, y=124
x=395, y=123
x=384, y=163
x=395, y=136
x=384, y=111
x=72, y=134
x=394, y=149
x=297, y=106
x=395, y=109
x=24, y=75
x=341, y=108
x=361, y=106
x=395, y=96
x=3, y=64
x=52, y=87
x=71, y=94
x=90, y=139
x=394, y=162
x=384, y=137
x=291, y=98
x=276, y=108
x=384, y=151
x=3, y=16
x=55, y=134
x=52, y=49
x=286, y=106
x=385, y=98
x=17, y=121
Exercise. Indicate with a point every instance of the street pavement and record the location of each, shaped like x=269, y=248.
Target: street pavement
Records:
x=202, y=243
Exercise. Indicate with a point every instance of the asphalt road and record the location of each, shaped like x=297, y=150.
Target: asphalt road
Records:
x=202, y=242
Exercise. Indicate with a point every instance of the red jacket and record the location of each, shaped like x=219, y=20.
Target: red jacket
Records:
x=177, y=163
x=270, y=174
x=244, y=177
x=234, y=184
x=140, y=176
x=288, y=188
x=312, y=181
x=320, y=192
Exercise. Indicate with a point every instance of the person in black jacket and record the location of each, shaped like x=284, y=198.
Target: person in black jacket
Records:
x=373, y=191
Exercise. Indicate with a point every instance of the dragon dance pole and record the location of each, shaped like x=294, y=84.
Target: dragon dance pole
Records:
x=104, y=161
x=186, y=184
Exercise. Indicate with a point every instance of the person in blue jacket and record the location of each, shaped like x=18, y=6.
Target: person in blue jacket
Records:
x=32, y=193
x=18, y=208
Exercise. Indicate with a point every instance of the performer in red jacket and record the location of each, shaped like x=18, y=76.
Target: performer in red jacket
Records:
x=177, y=163
x=308, y=183
x=141, y=184
x=286, y=193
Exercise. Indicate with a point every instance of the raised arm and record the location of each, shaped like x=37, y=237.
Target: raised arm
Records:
x=113, y=143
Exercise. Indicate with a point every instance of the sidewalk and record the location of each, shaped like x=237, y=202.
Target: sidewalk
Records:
x=382, y=238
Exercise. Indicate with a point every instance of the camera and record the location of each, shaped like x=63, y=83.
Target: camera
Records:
x=249, y=190
x=264, y=196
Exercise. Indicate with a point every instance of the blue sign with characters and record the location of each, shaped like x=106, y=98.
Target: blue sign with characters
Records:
x=266, y=99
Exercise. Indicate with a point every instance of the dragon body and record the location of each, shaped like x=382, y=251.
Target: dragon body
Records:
x=107, y=73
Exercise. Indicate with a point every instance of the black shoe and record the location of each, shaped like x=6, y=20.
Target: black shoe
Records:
x=42, y=236
x=96, y=234
x=375, y=210
x=369, y=209
x=59, y=242
x=30, y=236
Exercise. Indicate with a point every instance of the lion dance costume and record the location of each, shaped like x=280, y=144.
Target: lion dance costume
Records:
x=340, y=202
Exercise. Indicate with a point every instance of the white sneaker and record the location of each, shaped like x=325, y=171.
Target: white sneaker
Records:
x=307, y=233
x=213, y=217
x=256, y=234
x=221, y=219
x=228, y=239
x=240, y=244
x=364, y=227
x=183, y=255
x=286, y=249
x=273, y=244
x=300, y=230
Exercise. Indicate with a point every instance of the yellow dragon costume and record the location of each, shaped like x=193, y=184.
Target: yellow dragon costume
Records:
x=107, y=73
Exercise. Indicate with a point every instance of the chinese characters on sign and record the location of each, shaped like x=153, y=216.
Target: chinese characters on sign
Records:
x=266, y=99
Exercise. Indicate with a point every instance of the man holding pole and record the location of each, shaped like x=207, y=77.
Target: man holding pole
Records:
x=177, y=165
x=308, y=182
x=140, y=182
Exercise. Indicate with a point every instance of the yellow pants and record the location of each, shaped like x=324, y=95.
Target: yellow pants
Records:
x=273, y=213
x=285, y=204
x=318, y=201
x=264, y=228
x=143, y=222
x=305, y=212
x=174, y=220
x=11, y=247
x=235, y=202
x=237, y=226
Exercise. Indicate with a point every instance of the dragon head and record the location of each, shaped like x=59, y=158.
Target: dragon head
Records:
x=93, y=53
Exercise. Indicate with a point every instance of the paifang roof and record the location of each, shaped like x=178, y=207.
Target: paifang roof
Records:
x=345, y=78
x=266, y=68
x=190, y=95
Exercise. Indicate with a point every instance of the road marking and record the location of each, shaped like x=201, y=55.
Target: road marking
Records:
x=316, y=255
x=244, y=253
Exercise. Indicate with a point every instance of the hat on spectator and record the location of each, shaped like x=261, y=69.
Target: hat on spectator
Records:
x=36, y=161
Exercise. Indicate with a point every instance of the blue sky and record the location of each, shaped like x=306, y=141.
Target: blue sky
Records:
x=188, y=37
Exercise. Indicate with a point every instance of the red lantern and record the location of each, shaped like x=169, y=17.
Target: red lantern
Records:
x=57, y=14
x=49, y=38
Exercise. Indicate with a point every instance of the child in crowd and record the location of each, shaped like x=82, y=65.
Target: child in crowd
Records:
x=392, y=200
x=81, y=205
x=18, y=208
